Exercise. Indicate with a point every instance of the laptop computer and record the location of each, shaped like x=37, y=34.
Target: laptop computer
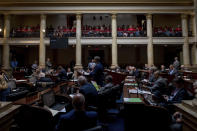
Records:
x=49, y=101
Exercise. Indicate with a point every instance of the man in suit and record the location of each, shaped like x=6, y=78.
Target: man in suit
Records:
x=151, y=77
x=77, y=119
x=89, y=91
x=62, y=73
x=135, y=72
x=160, y=83
x=179, y=93
x=108, y=86
x=97, y=72
x=176, y=63
x=173, y=71
x=48, y=64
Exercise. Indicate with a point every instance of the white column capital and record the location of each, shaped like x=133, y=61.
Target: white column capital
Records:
x=7, y=16
x=43, y=16
x=184, y=16
x=149, y=16
x=78, y=16
x=113, y=16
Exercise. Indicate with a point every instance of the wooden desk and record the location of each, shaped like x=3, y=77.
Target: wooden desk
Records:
x=36, y=96
x=7, y=112
x=188, y=84
x=118, y=77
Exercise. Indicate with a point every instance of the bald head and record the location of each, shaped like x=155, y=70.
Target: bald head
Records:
x=82, y=80
x=78, y=101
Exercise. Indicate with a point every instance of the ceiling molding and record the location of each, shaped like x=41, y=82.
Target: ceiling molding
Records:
x=90, y=3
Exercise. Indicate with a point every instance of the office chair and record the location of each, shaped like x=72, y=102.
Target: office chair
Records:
x=32, y=118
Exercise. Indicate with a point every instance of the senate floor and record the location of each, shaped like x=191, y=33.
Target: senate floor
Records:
x=98, y=65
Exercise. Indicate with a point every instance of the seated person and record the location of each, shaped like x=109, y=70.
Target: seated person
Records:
x=135, y=72
x=146, y=67
x=62, y=73
x=34, y=66
x=163, y=70
x=173, y=71
x=179, y=93
x=89, y=91
x=42, y=78
x=151, y=77
x=4, y=89
x=108, y=85
x=77, y=119
x=69, y=73
x=159, y=84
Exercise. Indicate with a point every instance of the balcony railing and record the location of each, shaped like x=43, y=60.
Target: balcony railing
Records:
x=95, y=34
x=104, y=41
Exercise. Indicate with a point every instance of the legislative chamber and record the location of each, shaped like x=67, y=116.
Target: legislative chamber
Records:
x=98, y=65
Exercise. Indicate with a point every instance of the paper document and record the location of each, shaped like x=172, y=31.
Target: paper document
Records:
x=135, y=91
x=132, y=100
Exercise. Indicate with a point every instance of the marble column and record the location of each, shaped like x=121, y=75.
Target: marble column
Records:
x=114, y=42
x=6, y=47
x=186, y=57
x=150, y=53
x=78, y=64
x=42, y=50
x=194, y=49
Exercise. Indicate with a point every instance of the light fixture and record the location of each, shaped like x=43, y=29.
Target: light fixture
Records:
x=43, y=30
x=0, y=30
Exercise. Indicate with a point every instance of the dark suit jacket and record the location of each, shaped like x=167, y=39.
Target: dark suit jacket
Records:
x=176, y=64
x=62, y=74
x=135, y=73
x=180, y=95
x=97, y=74
x=174, y=72
x=151, y=78
x=159, y=85
x=77, y=121
x=90, y=93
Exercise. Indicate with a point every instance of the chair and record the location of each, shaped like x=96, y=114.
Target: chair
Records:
x=79, y=122
x=32, y=118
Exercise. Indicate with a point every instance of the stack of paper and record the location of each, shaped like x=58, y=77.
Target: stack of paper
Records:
x=132, y=100
x=135, y=91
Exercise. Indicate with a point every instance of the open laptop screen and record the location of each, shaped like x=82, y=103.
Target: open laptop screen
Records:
x=48, y=98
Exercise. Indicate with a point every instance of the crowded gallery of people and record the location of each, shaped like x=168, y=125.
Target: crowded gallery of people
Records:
x=98, y=65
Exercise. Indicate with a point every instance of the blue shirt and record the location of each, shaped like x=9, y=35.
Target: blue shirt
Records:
x=14, y=64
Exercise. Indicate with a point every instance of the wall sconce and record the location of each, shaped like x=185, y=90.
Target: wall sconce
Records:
x=43, y=30
x=0, y=30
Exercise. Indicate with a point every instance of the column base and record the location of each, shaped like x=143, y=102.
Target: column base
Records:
x=187, y=65
x=42, y=66
x=7, y=68
x=78, y=67
x=113, y=67
x=194, y=65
